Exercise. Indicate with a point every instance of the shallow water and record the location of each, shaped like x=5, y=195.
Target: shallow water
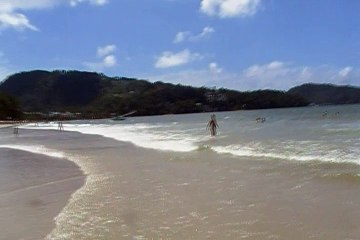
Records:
x=295, y=176
x=299, y=134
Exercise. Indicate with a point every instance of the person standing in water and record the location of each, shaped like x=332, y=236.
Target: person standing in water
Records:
x=60, y=126
x=212, y=125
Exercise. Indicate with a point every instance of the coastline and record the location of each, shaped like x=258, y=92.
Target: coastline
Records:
x=6, y=124
x=35, y=191
x=135, y=193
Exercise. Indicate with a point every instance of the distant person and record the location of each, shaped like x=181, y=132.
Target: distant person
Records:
x=212, y=125
x=60, y=126
x=16, y=130
x=260, y=119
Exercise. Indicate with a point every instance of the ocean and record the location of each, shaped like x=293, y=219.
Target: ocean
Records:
x=294, y=176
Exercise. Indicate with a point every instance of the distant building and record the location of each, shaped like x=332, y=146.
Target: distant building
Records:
x=215, y=96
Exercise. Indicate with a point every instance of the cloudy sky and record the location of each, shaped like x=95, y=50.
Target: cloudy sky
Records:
x=237, y=44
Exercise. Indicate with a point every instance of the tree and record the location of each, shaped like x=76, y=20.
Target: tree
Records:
x=9, y=108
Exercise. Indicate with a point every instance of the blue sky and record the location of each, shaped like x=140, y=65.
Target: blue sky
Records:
x=237, y=44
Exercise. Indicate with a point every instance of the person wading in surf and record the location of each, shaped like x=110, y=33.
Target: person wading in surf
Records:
x=212, y=125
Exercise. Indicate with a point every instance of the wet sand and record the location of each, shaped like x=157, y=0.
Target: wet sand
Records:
x=135, y=193
x=34, y=189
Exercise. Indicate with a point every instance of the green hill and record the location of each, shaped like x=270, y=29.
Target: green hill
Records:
x=9, y=108
x=327, y=93
x=88, y=92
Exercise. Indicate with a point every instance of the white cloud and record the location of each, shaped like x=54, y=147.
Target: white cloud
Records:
x=181, y=37
x=214, y=68
x=188, y=36
x=14, y=5
x=106, y=50
x=4, y=69
x=282, y=75
x=12, y=16
x=343, y=73
x=274, y=68
x=4, y=73
x=273, y=75
x=276, y=74
x=209, y=77
x=230, y=8
x=108, y=60
x=17, y=21
x=195, y=78
x=206, y=31
x=170, y=59
x=93, y=2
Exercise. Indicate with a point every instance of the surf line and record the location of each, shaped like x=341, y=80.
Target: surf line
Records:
x=42, y=185
x=36, y=150
x=57, y=154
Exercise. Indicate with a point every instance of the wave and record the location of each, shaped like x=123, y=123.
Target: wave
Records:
x=144, y=135
x=353, y=178
x=311, y=152
x=182, y=139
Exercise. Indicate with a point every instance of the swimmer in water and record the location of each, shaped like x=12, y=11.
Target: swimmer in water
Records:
x=212, y=125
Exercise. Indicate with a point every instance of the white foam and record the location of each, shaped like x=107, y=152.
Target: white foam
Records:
x=36, y=149
x=180, y=139
x=143, y=135
x=294, y=154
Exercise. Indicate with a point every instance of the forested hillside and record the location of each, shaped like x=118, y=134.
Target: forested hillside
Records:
x=9, y=108
x=75, y=91
x=327, y=93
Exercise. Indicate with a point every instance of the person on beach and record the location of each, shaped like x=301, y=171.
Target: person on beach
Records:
x=212, y=125
x=60, y=126
x=16, y=130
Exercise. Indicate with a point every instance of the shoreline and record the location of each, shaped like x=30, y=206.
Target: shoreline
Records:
x=6, y=124
x=132, y=192
x=35, y=202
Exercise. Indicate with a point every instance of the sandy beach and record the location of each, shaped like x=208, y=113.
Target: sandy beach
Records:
x=34, y=189
x=136, y=193
x=179, y=120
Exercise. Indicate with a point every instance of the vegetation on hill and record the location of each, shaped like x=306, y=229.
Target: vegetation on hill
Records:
x=327, y=93
x=93, y=93
x=9, y=108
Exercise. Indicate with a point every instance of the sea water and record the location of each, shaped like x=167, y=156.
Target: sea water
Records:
x=329, y=134
x=293, y=176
